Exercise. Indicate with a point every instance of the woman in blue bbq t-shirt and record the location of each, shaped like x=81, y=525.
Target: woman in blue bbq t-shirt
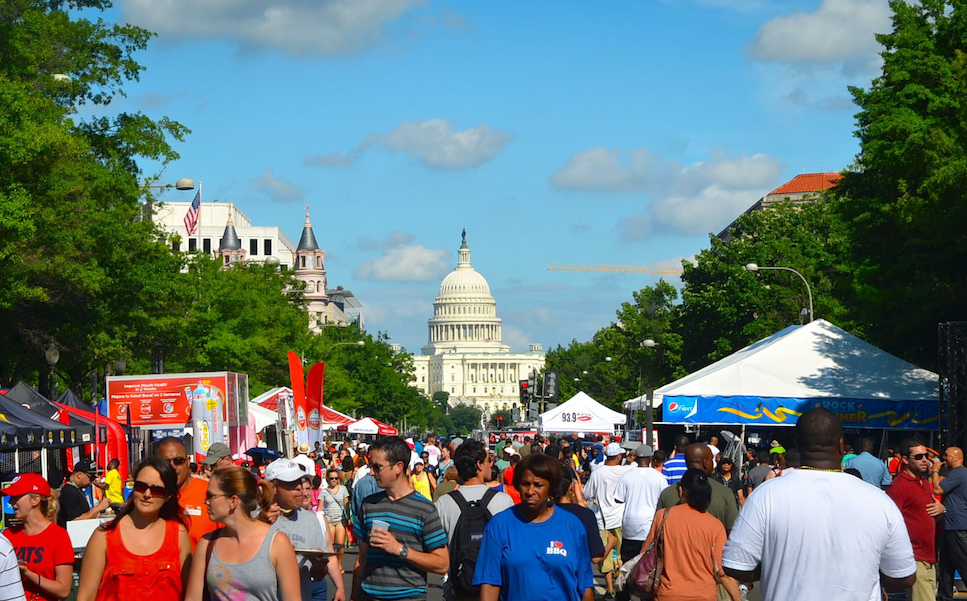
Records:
x=533, y=551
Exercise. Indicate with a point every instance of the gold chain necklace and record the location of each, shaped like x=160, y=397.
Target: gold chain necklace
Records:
x=818, y=469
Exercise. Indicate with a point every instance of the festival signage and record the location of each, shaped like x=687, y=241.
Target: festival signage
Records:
x=771, y=411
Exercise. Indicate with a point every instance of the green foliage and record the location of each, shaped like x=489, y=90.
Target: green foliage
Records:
x=903, y=199
x=725, y=308
x=465, y=418
x=502, y=419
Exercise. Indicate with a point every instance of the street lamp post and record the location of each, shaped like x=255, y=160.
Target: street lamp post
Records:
x=356, y=343
x=184, y=183
x=52, y=355
x=809, y=292
x=650, y=393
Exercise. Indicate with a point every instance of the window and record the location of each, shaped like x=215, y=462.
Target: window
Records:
x=253, y=247
x=267, y=247
x=176, y=246
x=303, y=262
x=192, y=244
x=206, y=245
x=423, y=379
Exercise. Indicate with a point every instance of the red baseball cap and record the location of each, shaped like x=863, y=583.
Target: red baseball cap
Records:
x=25, y=483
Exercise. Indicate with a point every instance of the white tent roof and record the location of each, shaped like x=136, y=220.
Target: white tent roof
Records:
x=580, y=413
x=263, y=416
x=640, y=402
x=817, y=360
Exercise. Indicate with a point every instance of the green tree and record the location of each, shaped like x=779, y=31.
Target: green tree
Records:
x=903, y=198
x=81, y=270
x=725, y=308
x=501, y=419
x=465, y=418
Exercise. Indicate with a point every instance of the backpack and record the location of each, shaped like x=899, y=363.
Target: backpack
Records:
x=467, y=538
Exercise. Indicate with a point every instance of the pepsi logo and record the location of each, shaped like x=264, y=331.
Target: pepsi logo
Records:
x=673, y=406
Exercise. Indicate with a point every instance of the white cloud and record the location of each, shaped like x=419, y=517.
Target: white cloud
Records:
x=687, y=200
x=516, y=338
x=436, y=143
x=297, y=27
x=799, y=97
x=403, y=261
x=277, y=188
x=838, y=32
x=601, y=169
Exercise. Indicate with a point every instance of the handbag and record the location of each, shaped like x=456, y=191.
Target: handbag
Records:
x=646, y=575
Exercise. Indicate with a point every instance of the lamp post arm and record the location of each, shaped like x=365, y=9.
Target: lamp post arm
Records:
x=809, y=292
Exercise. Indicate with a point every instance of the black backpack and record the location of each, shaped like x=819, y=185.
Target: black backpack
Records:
x=467, y=538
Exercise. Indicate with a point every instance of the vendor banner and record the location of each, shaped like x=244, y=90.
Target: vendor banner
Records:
x=772, y=411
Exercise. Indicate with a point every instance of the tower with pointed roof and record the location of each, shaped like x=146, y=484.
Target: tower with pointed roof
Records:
x=230, y=246
x=310, y=268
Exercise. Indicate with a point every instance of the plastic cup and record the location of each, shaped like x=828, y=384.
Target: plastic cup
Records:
x=380, y=525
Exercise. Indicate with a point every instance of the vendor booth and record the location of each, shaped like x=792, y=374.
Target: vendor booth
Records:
x=774, y=381
x=368, y=425
x=579, y=414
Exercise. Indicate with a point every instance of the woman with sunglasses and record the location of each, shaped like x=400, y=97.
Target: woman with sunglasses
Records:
x=242, y=561
x=335, y=504
x=147, y=542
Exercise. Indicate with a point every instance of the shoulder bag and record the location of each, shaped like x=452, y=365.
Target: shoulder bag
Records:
x=646, y=576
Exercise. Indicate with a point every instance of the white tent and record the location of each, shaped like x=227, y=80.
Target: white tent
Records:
x=778, y=378
x=263, y=417
x=580, y=413
x=641, y=402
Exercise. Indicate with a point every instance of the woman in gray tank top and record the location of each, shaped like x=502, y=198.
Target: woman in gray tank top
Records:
x=242, y=562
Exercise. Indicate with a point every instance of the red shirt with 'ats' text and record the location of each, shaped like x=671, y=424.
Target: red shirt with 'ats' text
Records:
x=912, y=495
x=42, y=553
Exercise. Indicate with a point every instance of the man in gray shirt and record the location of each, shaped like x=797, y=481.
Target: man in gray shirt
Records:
x=305, y=529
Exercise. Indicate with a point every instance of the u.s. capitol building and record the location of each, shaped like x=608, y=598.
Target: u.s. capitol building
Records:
x=464, y=356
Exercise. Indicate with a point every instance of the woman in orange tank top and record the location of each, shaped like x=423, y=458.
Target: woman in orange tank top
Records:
x=147, y=542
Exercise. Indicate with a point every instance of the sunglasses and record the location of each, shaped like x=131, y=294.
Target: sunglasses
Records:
x=179, y=461
x=209, y=496
x=157, y=492
x=334, y=478
x=918, y=456
x=377, y=467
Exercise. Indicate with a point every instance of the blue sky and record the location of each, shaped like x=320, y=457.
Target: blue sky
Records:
x=554, y=132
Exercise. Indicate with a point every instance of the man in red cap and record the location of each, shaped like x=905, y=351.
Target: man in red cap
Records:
x=43, y=549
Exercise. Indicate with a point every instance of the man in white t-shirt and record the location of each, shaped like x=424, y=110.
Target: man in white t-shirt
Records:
x=818, y=533
x=639, y=489
x=432, y=450
x=602, y=486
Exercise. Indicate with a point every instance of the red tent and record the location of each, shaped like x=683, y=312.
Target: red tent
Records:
x=330, y=417
x=116, y=444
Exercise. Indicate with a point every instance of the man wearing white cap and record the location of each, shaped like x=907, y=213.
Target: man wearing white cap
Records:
x=602, y=486
x=305, y=529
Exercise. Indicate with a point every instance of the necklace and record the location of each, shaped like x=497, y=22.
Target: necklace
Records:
x=818, y=469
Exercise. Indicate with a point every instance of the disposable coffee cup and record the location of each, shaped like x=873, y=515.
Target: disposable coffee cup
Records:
x=380, y=525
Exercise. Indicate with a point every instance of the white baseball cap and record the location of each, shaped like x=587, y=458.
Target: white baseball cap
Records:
x=284, y=470
x=613, y=450
x=306, y=464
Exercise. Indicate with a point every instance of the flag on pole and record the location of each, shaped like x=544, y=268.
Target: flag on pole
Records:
x=191, y=219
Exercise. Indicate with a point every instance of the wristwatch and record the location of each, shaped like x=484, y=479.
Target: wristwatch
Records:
x=404, y=551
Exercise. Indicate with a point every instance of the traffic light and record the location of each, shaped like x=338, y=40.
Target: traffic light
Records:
x=525, y=392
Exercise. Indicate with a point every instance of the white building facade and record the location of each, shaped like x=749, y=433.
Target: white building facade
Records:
x=464, y=356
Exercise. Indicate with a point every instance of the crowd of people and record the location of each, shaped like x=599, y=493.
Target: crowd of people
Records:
x=520, y=518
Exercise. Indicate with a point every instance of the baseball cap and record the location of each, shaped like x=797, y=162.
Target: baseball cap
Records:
x=284, y=470
x=644, y=450
x=86, y=466
x=218, y=450
x=613, y=450
x=307, y=464
x=26, y=483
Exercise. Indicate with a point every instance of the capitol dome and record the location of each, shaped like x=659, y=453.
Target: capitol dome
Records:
x=464, y=313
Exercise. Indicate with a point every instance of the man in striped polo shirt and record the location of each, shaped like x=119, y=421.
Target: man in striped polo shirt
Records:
x=400, y=535
x=674, y=467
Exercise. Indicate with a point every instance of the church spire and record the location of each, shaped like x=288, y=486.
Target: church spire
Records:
x=308, y=240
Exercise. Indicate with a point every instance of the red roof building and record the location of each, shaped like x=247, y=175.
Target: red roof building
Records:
x=802, y=188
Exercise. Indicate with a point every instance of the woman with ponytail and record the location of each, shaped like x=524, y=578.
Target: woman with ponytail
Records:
x=147, y=542
x=692, y=545
x=242, y=561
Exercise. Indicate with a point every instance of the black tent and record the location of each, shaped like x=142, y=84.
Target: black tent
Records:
x=25, y=395
x=53, y=434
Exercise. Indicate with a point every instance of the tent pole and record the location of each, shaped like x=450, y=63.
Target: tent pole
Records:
x=742, y=443
x=43, y=462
